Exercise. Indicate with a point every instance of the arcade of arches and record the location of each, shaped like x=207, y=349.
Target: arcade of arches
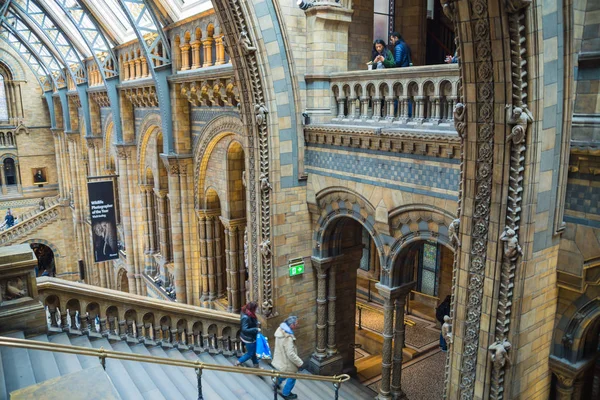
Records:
x=248, y=160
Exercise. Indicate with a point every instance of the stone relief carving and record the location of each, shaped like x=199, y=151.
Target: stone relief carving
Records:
x=254, y=93
x=512, y=249
x=260, y=111
x=483, y=181
x=13, y=288
x=518, y=120
x=264, y=183
x=265, y=248
x=453, y=231
x=459, y=119
x=246, y=43
x=499, y=353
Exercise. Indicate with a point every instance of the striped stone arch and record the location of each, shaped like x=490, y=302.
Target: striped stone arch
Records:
x=213, y=132
x=339, y=202
x=149, y=126
x=11, y=65
x=413, y=223
x=9, y=155
x=45, y=243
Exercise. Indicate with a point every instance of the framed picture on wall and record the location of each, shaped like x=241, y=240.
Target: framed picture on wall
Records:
x=40, y=175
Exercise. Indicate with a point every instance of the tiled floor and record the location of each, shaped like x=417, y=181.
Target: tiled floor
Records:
x=423, y=334
x=422, y=379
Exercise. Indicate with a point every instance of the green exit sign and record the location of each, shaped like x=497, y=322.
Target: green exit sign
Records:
x=296, y=267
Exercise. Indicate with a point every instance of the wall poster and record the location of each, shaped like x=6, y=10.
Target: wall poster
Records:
x=104, y=222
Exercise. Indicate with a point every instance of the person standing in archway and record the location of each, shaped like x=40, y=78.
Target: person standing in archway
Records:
x=250, y=329
x=440, y=312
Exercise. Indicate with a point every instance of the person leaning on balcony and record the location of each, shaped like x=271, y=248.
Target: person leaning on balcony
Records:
x=401, y=50
x=382, y=57
x=249, y=325
x=285, y=358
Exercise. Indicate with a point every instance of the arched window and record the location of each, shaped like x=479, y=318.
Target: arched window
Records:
x=3, y=104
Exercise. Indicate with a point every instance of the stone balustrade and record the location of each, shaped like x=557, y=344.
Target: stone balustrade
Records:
x=413, y=96
x=83, y=309
x=31, y=221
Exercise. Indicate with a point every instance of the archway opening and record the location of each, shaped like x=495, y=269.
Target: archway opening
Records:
x=349, y=252
x=10, y=171
x=124, y=282
x=45, y=256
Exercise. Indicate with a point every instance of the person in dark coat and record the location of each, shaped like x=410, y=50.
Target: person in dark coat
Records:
x=249, y=325
x=401, y=50
x=440, y=312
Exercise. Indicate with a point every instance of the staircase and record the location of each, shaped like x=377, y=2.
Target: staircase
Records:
x=21, y=368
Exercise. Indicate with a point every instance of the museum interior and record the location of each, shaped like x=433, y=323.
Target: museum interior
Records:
x=435, y=228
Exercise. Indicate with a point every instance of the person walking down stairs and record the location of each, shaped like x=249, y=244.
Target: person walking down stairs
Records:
x=249, y=325
x=286, y=357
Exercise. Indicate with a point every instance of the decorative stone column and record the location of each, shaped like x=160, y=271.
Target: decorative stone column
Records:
x=399, y=336
x=220, y=50
x=331, y=345
x=196, y=44
x=207, y=46
x=364, y=107
x=234, y=254
x=376, y=108
x=123, y=154
x=389, y=295
x=340, y=102
x=185, y=57
x=161, y=200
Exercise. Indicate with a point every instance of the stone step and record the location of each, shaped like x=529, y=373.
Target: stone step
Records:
x=227, y=380
x=17, y=366
x=211, y=389
x=138, y=375
x=176, y=375
x=356, y=387
x=118, y=374
x=158, y=376
x=67, y=363
x=328, y=391
x=256, y=386
x=85, y=361
x=43, y=362
x=304, y=389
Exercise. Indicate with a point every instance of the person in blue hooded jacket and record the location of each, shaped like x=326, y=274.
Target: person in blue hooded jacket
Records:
x=401, y=51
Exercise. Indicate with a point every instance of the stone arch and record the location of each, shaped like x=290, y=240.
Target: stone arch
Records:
x=122, y=279
x=337, y=202
x=150, y=126
x=9, y=155
x=413, y=223
x=215, y=130
x=12, y=65
x=52, y=246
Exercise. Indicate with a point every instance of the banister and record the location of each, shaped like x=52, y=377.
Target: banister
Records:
x=103, y=353
x=46, y=284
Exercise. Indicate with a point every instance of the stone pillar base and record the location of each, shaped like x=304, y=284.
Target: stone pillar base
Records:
x=331, y=365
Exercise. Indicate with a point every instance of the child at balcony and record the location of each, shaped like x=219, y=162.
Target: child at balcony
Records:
x=249, y=325
x=382, y=57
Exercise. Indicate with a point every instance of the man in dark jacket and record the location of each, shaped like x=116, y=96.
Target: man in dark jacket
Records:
x=401, y=50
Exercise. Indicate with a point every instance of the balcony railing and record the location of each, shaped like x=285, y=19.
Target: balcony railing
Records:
x=111, y=313
x=415, y=96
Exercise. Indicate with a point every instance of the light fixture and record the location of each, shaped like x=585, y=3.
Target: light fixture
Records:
x=304, y=5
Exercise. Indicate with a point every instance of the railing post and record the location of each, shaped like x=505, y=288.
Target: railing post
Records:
x=359, y=318
x=275, y=380
x=199, y=375
x=102, y=357
x=336, y=386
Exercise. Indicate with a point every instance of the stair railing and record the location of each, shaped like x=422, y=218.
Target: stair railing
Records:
x=198, y=366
